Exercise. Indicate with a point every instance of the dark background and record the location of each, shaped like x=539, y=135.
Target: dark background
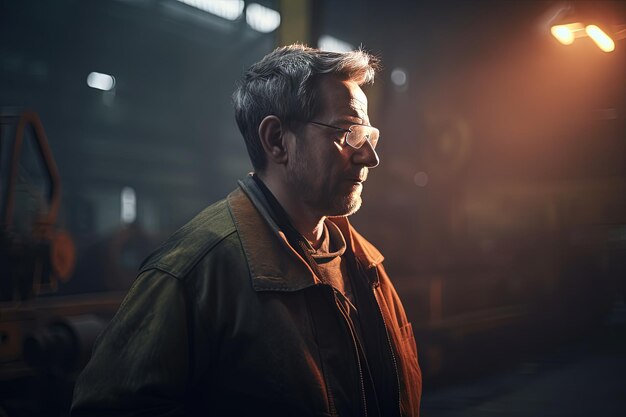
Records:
x=500, y=201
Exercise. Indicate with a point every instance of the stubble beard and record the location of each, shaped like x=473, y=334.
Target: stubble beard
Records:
x=348, y=205
x=327, y=202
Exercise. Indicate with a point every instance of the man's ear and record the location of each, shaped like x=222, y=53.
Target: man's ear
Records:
x=272, y=134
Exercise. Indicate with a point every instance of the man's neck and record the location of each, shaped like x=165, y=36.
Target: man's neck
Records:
x=309, y=224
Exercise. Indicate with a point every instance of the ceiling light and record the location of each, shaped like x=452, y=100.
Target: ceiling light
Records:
x=601, y=39
x=332, y=44
x=261, y=18
x=99, y=81
x=227, y=9
x=567, y=33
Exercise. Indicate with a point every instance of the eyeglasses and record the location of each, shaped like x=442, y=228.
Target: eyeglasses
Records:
x=356, y=135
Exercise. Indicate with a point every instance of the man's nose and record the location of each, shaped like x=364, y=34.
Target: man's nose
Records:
x=366, y=155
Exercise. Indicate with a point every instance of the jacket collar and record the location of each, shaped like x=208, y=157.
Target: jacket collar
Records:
x=274, y=265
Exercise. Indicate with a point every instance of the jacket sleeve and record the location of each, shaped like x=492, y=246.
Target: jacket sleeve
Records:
x=140, y=364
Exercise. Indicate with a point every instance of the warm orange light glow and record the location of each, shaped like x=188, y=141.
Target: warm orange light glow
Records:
x=562, y=34
x=567, y=33
x=601, y=39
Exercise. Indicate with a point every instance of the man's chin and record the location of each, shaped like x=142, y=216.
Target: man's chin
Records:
x=348, y=205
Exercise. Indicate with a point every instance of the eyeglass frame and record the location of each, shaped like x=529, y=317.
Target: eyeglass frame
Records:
x=347, y=131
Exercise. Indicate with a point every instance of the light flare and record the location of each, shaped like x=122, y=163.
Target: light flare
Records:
x=261, y=18
x=566, y=34
x=601, y=39
x=100, y=81
x=563, y=34
x=227, y=9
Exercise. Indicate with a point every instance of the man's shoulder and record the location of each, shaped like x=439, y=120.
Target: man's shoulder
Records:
x=192, y=242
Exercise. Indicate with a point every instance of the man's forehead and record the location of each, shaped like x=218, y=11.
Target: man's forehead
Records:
x=359, y=107
x=357, y=104
x=344, y=97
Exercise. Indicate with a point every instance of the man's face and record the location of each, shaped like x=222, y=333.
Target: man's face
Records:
x=326, y=172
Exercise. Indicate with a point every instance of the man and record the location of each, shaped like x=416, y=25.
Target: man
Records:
x=269, y=303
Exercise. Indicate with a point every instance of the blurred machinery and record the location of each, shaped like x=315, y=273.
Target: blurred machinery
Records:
x=35, y=253
x=44, y=340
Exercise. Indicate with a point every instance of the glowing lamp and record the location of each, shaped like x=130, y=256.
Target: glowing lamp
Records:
x=567, y=33
x=562, y=34
x=601, y=39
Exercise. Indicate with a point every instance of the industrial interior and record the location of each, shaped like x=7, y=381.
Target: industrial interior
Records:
x=499, y=203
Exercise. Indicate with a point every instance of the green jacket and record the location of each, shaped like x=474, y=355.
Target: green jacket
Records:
x=226, y=319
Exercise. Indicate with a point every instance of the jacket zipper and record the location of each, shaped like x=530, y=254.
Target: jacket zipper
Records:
x=356, y=351
x=393, y=356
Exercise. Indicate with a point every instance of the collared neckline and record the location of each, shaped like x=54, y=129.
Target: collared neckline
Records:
x=333, y=243
x=275, y=265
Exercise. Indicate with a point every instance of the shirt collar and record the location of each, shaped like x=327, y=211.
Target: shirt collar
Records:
x=274, y=264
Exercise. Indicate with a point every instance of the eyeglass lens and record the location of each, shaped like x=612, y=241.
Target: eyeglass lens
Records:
x=359, y=134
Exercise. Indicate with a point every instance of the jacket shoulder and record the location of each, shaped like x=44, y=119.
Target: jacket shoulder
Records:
x=189, y=244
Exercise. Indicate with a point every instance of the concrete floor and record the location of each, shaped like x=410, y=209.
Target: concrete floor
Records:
x=586, y=377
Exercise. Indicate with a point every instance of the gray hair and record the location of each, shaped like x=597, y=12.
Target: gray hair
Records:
x=284, y=84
